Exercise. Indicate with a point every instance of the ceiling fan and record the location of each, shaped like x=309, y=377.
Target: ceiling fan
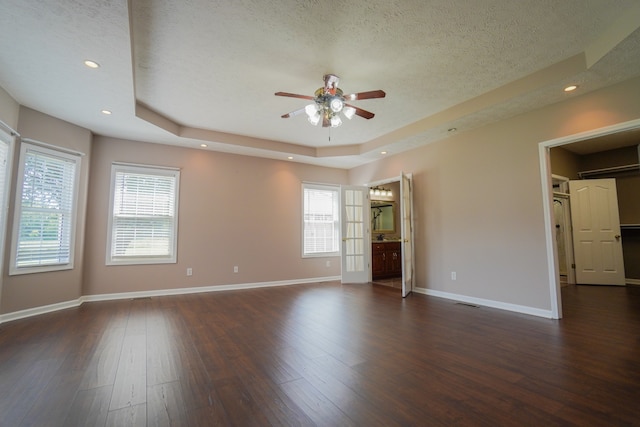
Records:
x=329, y=101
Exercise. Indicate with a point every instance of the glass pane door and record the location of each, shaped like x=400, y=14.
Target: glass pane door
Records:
x=355, y=234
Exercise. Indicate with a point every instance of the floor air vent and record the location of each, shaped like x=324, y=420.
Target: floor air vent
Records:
x=467, y=304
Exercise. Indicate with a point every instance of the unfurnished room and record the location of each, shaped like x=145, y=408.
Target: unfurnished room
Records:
x=365, y=213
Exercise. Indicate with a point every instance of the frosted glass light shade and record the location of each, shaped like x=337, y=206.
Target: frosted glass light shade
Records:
x=349, y=112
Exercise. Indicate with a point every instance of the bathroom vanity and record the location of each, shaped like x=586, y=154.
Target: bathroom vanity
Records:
x=386, y=259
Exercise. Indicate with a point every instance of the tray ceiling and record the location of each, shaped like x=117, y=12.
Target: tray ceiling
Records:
x=201, y=72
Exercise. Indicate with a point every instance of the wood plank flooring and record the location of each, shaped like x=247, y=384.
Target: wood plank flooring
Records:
x=326, y=355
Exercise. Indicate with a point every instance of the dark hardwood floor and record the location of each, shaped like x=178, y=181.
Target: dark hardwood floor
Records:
x=327, y=355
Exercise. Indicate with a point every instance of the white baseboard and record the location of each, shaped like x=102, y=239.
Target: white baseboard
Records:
x=8, y=317
x=486, y=303
x=635, y=282
x=164, y=292
x=203, y=289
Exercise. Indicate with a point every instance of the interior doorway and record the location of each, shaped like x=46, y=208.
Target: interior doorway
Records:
x=385, y=266
x=391, y=217
x=548, y=199
x=563, y=238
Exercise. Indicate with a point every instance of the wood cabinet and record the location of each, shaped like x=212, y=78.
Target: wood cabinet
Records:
x=386, y=259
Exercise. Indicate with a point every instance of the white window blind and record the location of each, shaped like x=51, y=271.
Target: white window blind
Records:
x=321, y=220
x=45, y=210
x=143, y=220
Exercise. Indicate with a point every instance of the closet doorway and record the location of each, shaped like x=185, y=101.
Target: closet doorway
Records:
x=611, y=136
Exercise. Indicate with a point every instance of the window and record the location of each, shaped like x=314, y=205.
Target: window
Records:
x=143, y=219
x=321, y=220
x=44, y=225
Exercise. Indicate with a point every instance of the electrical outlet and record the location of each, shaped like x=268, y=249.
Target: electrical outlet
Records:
x=453, y=275
x=189, y=271
x=235, y=268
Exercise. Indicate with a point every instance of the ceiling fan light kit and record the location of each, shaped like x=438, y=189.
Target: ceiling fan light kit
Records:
x=329, y=102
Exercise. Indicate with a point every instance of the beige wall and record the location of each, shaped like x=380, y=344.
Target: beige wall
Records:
x=610, y=158
x=565, y=163
x=234, y=210
x=478, y=200
x=9, y=109
x=38, y=289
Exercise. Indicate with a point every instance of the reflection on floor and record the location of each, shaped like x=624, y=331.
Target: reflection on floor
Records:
x=394, y=282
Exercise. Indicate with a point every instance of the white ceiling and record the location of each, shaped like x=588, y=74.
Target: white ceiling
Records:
x=194, y=71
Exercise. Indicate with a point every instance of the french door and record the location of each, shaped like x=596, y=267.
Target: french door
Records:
x=356, y=240
x=406, y=209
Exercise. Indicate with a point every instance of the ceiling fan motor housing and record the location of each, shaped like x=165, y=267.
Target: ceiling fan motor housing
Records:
x=330, y=102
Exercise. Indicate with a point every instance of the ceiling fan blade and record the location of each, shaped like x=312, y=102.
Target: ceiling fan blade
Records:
x=293, y=113
x=293, y=95
x=365, y=95
x=360, y=112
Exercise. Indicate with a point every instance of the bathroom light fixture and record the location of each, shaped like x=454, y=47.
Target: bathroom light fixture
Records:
x=380, y=191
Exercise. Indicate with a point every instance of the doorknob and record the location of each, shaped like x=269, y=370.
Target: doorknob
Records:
x=617, y=236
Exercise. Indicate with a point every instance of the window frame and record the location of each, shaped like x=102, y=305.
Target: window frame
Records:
x=51, y=151
x=337, y=222
x=150, y=170
x=8, y=137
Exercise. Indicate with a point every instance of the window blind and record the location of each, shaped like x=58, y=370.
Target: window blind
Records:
x=46, y=206
x=143, y=223
x=321, y=220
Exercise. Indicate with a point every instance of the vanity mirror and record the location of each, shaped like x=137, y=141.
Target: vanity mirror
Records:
x=383, y=217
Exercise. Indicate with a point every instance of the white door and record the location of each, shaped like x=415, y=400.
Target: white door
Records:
x=406, y=208
x=355, y=234
x=597, y=241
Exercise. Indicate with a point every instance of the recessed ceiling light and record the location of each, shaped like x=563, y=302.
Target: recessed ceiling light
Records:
x=383, y=152
x=570, y=88
x=203, y=145
x=452, y=129
x=106, y=112
x=290, y=157
x=91, y=64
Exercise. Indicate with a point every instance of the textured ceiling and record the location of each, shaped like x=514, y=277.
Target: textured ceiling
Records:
x=198, y=71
